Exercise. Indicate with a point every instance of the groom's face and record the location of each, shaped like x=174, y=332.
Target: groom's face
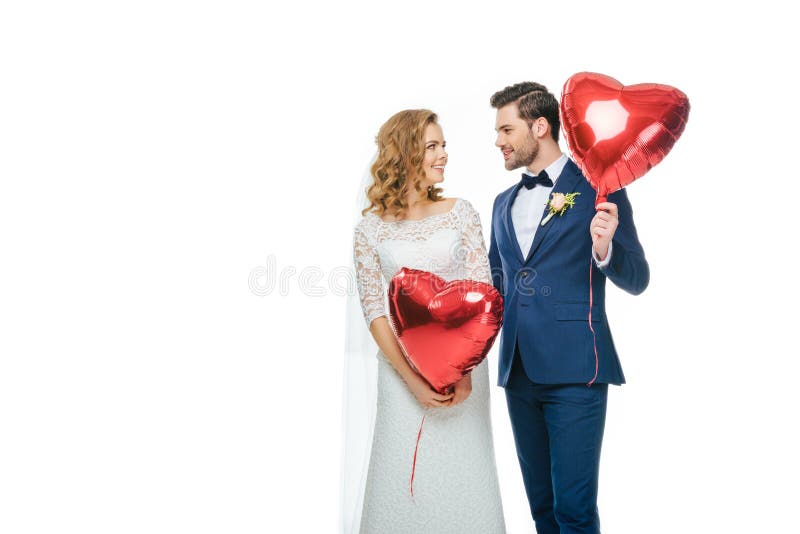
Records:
x=515, y=138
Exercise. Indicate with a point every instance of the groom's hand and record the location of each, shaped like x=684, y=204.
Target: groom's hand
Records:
x=602, y=228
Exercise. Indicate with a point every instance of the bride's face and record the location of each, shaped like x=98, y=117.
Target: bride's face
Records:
x=435, y=156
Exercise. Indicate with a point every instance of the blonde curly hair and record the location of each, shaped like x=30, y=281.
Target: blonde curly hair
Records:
x=401, y=153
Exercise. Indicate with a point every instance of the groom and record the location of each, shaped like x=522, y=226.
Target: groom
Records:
x=556, y=387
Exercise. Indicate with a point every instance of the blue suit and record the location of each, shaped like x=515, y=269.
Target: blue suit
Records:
x=546, y=349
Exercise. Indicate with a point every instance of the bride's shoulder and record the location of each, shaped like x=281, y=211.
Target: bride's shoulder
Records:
x=452, y=203
x=367, y=222
x=462, y=204
x=466, y=212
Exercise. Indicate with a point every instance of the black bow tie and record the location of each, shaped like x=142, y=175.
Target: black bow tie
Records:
x=532, y=181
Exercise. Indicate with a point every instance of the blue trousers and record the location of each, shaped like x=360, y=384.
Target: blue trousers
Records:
x=558, y=431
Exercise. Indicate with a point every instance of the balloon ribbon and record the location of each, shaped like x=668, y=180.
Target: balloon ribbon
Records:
x=416, y=447
x=594, y=336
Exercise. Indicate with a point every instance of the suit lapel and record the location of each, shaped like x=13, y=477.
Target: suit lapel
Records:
x=509, y=224
x=566, y=183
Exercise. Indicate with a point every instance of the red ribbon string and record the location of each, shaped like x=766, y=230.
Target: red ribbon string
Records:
x=594, y=336
x=414, y=465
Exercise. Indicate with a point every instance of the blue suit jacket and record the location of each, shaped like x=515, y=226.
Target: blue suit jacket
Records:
x=546, y=289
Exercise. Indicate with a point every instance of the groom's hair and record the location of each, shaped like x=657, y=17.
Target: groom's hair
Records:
x=533, y=101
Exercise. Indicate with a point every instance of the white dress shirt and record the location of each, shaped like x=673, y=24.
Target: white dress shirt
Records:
x=528, y=206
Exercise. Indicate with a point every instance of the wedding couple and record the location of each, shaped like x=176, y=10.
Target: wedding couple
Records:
x=555, y=382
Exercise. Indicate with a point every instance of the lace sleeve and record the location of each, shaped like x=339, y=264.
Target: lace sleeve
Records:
x=476, y=260
x=369, y=278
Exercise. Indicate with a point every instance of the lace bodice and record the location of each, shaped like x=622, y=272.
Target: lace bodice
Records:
x=447, y=244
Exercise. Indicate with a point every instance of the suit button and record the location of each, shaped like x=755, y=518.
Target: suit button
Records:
x=524, y=274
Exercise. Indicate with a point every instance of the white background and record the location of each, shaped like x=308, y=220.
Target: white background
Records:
x=154, y=154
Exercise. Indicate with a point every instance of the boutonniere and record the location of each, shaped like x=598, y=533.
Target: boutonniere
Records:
x=558, y=204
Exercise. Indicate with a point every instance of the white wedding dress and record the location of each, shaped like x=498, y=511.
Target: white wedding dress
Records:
x=455, y=483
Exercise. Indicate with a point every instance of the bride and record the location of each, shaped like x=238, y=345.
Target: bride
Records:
x=407, y=223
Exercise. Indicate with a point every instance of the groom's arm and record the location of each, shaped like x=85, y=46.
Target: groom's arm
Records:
x=627, y=268
x=494, y=254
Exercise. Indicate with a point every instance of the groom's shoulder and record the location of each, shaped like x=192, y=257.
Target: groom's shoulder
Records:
x=504, y=194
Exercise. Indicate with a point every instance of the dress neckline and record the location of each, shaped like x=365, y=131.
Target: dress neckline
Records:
x=451, y=210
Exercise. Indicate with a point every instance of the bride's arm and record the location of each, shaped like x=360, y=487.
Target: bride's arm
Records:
x=476, y=267
x=386, y=340
x=473, y=249
x=371, y=291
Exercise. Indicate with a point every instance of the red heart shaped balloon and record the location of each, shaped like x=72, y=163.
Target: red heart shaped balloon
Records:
x=617, y=133
x=444, y=328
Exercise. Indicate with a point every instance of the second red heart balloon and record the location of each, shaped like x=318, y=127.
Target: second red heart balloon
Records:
x=617, y=133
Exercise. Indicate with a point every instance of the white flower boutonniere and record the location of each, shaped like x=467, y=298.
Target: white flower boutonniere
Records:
x=558, y=204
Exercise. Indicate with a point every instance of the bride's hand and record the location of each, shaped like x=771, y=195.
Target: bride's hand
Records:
x=462, y=390
x=426, y=395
